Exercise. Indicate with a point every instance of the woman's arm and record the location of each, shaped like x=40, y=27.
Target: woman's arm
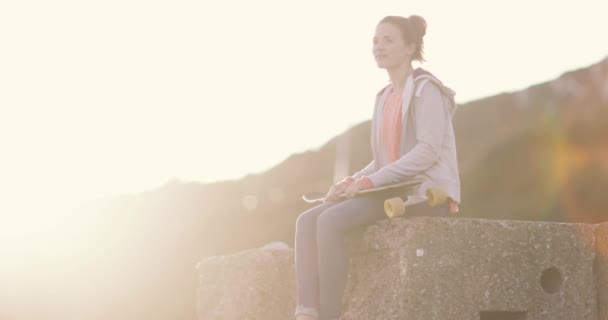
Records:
x=369, y=169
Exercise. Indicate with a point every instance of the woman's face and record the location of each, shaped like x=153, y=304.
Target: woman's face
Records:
x=389, y=49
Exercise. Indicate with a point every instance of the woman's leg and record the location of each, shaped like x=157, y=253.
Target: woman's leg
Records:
x=333, y=256
x=337, y=217
x=306, y=261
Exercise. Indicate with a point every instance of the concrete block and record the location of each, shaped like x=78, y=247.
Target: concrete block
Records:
x=451, y=268
x=256, y=284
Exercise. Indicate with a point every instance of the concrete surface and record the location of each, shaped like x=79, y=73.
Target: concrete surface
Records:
x=449, y=268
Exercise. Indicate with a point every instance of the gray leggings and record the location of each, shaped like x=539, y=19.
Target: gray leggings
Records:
x=321, y=258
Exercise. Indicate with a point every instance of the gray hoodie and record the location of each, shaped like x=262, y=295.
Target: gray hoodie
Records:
x=428, y=146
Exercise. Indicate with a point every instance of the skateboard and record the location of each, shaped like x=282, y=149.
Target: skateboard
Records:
x=396, y=206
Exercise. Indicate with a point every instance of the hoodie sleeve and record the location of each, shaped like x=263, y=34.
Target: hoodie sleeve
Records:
x=430, y=117
x=369, y=169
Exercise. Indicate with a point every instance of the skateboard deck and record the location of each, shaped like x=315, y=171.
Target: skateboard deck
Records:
x=313, y=197
x=393, y=207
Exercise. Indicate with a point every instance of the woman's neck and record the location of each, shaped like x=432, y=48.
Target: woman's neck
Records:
x=399, y=75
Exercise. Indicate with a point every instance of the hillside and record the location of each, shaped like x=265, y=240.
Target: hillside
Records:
x=537, y=154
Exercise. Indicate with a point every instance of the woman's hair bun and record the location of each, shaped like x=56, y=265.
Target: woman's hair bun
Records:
x=419, y=24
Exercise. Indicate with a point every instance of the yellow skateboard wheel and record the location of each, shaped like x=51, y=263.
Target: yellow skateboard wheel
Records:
x=394, y=207
x=436, y=196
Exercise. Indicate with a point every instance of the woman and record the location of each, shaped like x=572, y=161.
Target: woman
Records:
x=412, y=136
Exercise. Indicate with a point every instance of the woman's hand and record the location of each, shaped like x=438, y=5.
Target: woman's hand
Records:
x=337, y=189
x=360, y=184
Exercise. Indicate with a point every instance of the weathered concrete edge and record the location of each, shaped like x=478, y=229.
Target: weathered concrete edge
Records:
x=363, y=242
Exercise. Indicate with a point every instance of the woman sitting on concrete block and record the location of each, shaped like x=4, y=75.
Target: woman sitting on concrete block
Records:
x=412, y=137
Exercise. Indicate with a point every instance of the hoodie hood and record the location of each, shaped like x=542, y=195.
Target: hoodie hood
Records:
x=422, y=77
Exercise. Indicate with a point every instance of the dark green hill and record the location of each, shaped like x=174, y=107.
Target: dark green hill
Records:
x=537, y=154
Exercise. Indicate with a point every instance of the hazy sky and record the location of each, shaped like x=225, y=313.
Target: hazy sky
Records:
x=110, y=97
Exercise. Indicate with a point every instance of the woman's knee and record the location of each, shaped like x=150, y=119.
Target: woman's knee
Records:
x=329, y=220
x=308, y=218
x=305, y=220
